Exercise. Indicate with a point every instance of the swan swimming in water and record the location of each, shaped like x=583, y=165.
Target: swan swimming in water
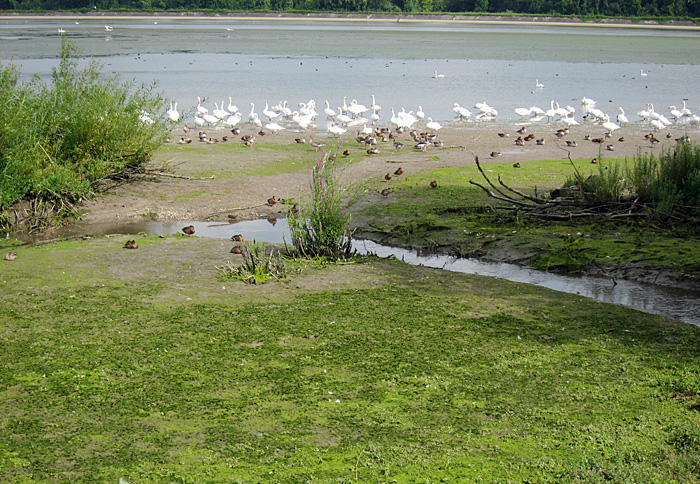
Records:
x=438, y=76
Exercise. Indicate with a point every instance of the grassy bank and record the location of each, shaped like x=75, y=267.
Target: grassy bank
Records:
x=458, y=217
x=144, y=364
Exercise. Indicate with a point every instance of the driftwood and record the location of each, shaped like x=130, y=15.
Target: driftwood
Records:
x=172, y=175
x=577, y=206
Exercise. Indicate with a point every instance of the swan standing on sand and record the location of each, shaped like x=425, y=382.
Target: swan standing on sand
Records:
x=621, y=118
x=173, y=113
x=434, y=125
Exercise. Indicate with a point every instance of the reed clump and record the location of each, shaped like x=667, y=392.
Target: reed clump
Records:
x=257, y=267
x=319, y=229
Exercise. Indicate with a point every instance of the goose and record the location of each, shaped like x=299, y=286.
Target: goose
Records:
x=434, y=125
x=329, y=112
x=173, y=113
x=231, y=108
x=621, y=118
x=438, y=76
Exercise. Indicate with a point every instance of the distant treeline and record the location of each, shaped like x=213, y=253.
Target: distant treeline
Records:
x=665, y=9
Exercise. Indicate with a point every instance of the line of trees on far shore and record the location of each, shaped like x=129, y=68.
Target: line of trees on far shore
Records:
x=667, y=9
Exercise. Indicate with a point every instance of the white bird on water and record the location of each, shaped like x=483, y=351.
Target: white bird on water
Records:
x=108, y=28
x=538, y=84
x=438, y=76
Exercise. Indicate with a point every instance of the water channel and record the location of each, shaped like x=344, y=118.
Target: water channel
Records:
x=681, y=305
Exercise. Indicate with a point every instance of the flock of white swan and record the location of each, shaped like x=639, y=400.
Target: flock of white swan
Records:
x=355, y=116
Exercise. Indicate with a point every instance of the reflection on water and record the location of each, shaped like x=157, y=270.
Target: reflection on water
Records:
x=673, y=303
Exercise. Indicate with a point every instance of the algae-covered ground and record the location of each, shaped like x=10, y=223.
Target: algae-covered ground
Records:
x=144, y=364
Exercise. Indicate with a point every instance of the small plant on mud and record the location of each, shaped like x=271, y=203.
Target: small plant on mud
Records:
x=257, y=267
x=319, y=229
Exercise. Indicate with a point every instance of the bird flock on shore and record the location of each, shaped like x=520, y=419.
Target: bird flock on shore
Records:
x=355, y=117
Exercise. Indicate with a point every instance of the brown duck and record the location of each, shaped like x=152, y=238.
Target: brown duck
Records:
x=399, y=172
x=236, y=250
x=237, y=238
x=272, y=201
x=433, y=184
x=131, y=244
x=386, y=192
x=189, y=230
x=11, y=256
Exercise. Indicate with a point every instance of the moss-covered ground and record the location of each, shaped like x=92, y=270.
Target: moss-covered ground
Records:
x=144, y=364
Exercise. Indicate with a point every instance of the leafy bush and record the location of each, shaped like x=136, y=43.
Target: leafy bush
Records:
x=671, y=181
x=60, y=139
x=257, y=268
x=319, y=228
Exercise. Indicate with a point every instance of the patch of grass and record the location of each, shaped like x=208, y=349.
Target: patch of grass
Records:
x=257, y=267
x=138, y=364
x=460, y=218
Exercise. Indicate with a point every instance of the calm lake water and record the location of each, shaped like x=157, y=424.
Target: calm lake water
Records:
x=297, y=60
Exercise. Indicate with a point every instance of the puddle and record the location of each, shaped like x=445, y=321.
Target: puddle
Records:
x=677, y=304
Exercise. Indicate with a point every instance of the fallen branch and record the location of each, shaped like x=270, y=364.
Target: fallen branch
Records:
x=172, y=175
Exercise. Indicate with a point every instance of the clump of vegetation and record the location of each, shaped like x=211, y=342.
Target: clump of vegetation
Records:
x=62, y=139
x=319, y=229
x=669, y=183
x=257, y=267
x=667, y=186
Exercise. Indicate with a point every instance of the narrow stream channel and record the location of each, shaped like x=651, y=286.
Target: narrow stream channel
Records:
x=681, y=305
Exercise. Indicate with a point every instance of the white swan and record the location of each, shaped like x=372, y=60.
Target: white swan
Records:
x=434, y=125
x=538, y=84
x=336, y=130
x=420, y=114
x=374, y=105
x=462, y=112
x=621, y=118
x=201, y=109
x=253, y=115
x=438, y=76
x=270, y=113
x=523, y=112
x=274, y=127
x=108, y=28
x=232, y=120
x=357, y=109
x=231, y=108
x=609, y=125
x=173, y=113
x=329, y=112
x=642, y=73
x=342, y=117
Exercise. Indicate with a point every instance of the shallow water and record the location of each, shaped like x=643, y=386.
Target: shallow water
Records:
x=257, y=60
x=676, y=304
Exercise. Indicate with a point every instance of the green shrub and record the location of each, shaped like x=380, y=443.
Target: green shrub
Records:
x=319, y=228
x=61, y=138
x=670, y=183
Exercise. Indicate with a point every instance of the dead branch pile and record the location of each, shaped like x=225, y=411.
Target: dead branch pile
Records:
x=564, y=204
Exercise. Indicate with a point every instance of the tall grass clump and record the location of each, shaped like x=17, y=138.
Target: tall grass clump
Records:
x=319, y=229
x=62, y=137
x=257, y=267
x=669, y=183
